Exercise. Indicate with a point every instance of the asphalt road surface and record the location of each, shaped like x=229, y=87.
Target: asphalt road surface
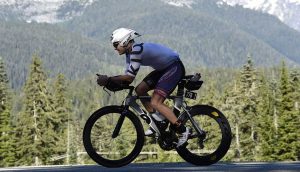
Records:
x=161, y=167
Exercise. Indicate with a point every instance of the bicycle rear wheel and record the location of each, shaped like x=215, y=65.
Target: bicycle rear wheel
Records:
x=214, y=145
x=99, y=142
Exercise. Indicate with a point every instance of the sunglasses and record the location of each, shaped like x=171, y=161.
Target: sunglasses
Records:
x=115, y=44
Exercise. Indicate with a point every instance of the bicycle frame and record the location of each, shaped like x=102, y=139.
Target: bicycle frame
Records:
x=130, y=101
x=205, y=149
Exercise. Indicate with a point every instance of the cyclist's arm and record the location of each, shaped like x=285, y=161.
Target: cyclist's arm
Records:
x=133, y=63
x=122, y=79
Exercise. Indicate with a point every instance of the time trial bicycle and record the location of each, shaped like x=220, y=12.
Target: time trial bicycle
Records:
x=113, y=136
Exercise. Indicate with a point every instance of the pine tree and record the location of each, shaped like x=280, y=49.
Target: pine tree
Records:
x=288, y=130
x=240, y=104
x=248, y=125
x=74, y=141
x=35, y=122
x=266, y=127
x=232, y=108
x=7, y=152
x=295, y=82
x=63, y=119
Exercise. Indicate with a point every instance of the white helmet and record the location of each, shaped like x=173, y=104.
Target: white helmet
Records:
x=123, y=36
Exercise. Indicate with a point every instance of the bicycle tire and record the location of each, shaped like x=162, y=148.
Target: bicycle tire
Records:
x=97, y=157
x=223, y=147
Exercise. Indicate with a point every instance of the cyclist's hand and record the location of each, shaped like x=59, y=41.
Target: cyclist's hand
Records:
x=102, y=80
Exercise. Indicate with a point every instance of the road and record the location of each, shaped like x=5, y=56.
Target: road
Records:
x=174, y=167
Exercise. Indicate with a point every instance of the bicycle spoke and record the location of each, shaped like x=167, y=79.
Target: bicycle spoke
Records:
x=109, y=153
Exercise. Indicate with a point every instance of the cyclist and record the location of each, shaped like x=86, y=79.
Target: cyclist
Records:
x=168, y=70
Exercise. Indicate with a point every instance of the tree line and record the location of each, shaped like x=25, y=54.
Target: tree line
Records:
x=206, y=35
x=41, y=124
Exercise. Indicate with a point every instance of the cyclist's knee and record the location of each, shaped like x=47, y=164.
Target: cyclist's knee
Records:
x=156, y=101
x=141, y=89
x=155, y=104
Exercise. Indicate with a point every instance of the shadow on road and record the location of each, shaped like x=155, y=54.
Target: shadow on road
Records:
x=162, y=167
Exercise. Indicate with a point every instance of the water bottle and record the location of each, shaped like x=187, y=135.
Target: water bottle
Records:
x=196, y=77
x=157, y=116
x=160, y=121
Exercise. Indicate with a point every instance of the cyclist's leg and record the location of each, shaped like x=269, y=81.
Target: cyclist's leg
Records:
x=164, y=87
x=157, y=102
x=146, y=85
x=142, y=90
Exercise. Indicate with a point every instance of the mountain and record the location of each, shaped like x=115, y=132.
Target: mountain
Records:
x=203, y=32
x=288, y=11
x=61, y=51
x=53, y=11
x=42, y=11
x=262, y=26
x=180, y=3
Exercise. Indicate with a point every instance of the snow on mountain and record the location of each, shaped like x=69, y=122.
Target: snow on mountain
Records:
x=180, y=3
x=48, y=11
x=7, y=2
x=53, y=11
x=288, y=11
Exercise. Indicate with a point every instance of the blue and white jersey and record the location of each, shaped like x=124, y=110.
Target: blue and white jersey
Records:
x=156, y=56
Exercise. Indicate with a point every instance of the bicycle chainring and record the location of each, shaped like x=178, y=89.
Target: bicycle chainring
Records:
x=167, y=140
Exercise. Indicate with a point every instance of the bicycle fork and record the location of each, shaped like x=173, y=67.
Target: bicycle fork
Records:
x=119, y=123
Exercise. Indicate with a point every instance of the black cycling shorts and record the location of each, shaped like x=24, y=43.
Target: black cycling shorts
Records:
x=165, y=81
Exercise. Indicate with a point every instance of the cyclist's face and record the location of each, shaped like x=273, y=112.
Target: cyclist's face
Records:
x=121, y=50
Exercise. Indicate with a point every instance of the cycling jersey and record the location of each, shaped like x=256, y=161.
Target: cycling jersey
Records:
x=156, y=56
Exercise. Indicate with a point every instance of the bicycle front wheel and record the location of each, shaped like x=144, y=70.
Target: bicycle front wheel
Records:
x=213, y=145
x=109, y=150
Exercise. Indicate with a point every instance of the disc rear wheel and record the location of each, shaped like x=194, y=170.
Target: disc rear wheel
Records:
x=210, y=147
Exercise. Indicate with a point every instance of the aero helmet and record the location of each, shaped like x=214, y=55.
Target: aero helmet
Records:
x=123, y=36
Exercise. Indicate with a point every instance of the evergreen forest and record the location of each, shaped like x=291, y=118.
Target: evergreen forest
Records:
x=249, y=62
x=42, y=123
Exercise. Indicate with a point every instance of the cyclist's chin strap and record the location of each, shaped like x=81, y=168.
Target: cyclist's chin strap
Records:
x=178, y=126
